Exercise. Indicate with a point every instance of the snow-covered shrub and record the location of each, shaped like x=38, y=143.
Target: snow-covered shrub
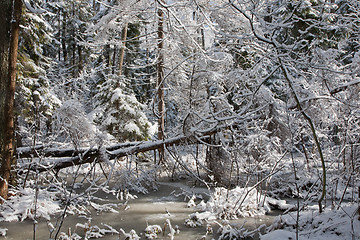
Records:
x=233, y=204
x=198, y=219
x=238, y=202
x=152, y=231
x=71, y=122
x=135, y=177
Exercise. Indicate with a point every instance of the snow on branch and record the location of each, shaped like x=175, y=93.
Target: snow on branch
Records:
x=344, y=87
x=55, y=159
x=32, y=9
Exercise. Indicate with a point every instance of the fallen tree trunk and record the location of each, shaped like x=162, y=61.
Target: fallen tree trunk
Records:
x=46, y=151
x=56, y=159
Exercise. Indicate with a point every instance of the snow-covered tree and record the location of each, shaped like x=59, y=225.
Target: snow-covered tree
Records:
x=119, y=112
x=36, y=101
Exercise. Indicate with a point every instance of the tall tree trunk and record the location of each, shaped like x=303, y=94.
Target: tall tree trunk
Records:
x=60, y=35
x=107, y=57
x=160, y=82
x=113, y=63
x=5, y=17
x=122, y=50
x=202, y=38
x=80, y=68
x=9, y=128
x=73, y=61
x=63, y=38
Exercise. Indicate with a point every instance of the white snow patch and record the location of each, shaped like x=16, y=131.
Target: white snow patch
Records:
x=331, y=224
x=279, y=235
x=117, y=94
x=3, y=232
x=22, y=206
x=132, y=128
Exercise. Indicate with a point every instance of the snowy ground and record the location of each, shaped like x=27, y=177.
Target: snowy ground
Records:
x=338, y=223
x=220, y=206
x=332, y=224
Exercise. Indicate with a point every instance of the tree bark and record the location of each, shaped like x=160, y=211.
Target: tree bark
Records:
x=9, y=128
x=160, y=83
x=80, y=68
x=5, y=17
x=63, y=38
x=113, y=66
x=122, y=50
x=73, y=60
x=107, y=57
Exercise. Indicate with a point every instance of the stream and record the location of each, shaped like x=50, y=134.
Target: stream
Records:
x=168, y=202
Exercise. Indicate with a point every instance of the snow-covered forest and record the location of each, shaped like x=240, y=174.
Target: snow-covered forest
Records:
x=236, y=109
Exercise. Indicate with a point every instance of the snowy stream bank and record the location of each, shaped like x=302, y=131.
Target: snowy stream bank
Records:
x=178, y=211
x=174, y=204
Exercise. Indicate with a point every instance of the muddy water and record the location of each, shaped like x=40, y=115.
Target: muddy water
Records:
x=153, y=208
